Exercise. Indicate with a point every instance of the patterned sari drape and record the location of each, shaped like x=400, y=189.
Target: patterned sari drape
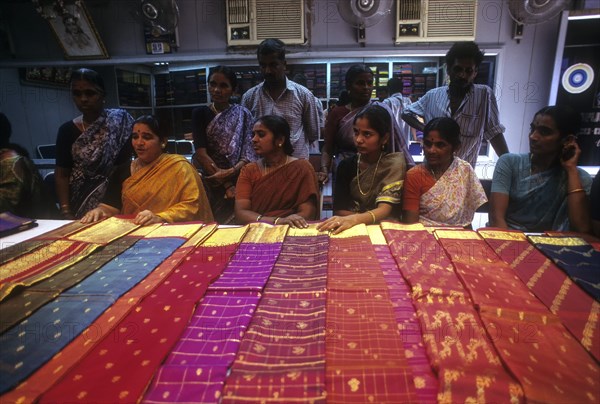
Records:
x=11, y=252
x=576, y=309
x=196, y=367
x=425, y=381
x=579, y=260
x=94, y=154
x=42, y=263
x=142, y=335
x=460, y=352
x=548, y=362
x=281, y=357
x=76, y=308
x=365, y=359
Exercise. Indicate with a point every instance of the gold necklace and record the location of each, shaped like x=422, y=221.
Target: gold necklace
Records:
x=270, y=169
x=358, y=175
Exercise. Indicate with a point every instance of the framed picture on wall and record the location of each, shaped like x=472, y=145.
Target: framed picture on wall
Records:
x=75, y=31
x=46, y=76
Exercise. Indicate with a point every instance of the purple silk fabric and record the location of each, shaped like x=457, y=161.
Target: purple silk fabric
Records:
x=282, y=355
x=196, y=368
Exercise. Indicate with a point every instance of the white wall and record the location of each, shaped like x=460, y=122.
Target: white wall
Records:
x=524, y=69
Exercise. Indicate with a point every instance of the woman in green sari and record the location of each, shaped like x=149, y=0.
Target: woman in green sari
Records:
x=368, y=185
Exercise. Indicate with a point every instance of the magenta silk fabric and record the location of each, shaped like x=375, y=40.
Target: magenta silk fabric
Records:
x=196, y=368
x=282, y=356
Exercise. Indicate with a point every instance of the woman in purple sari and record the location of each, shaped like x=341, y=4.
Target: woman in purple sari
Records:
x=223, y=140
x=89, y=146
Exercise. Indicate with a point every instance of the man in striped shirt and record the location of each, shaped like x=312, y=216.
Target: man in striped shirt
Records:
x=277, y=95
x=473, y=106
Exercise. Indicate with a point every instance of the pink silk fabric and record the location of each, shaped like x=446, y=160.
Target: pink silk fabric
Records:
x=365, y=356
x=425, y=380
x=548, y=362
x=460, y=352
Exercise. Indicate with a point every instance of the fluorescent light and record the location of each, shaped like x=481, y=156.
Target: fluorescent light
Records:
x=584, y=17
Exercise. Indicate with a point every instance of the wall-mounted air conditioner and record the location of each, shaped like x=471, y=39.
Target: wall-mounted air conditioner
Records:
x=249, y=22
x=435, y=20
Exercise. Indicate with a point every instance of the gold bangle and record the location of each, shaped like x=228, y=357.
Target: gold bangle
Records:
x=276, y=220
x=258, y=218
x=372, y=215
x=575, y=190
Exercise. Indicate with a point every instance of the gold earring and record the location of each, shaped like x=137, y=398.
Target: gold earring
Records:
x=280, y=144
x=163, y=145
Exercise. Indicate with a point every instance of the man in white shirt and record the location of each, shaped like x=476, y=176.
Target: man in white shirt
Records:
x=472, y=106
x=398, y=103
x=277, y=95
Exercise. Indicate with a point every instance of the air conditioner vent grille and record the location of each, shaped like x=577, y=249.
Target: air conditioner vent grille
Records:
x=249, y=22
x=450, y=18
x=279, y=21
x=435, y=20
x=238, y=11
x=409, y=10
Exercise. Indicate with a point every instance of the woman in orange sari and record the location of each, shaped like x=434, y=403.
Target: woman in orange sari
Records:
x=278, y=188
x=156, y=187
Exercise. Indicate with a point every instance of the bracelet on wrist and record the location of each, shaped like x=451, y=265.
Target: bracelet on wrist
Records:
x=575, y=191
x=372, y=216
x=276, y=220
x=258, y=218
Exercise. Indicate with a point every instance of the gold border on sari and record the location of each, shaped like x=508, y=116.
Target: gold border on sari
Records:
x=356, y=231
x=502, y=235
x=175, y=230
x=200, y=236
x=265, y=233
x=227, y=236
x=310, y=231
x=558, y=241
x=376, y=235
x=385, y=225
x=105, y=231
x=456, y=234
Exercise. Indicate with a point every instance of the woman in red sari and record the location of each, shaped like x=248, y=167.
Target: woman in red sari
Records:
x=278, y=188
